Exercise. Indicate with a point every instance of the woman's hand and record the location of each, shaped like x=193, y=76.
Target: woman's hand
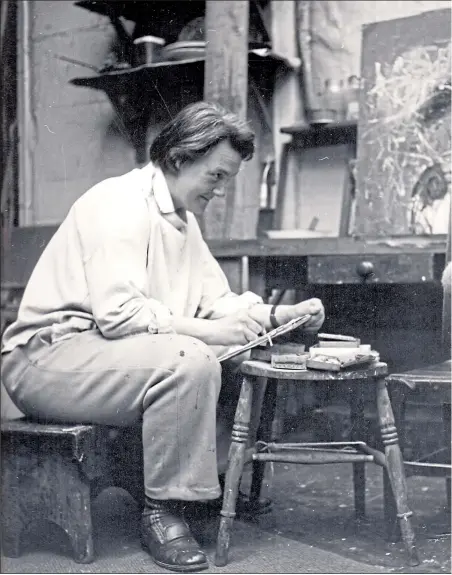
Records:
x=236, y=329
x=246, y=325
x=312, y=307
x=315, y=309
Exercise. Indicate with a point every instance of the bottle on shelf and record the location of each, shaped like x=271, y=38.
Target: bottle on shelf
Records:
x=352, y=99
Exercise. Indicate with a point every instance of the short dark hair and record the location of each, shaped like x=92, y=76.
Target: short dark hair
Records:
x=195, y=130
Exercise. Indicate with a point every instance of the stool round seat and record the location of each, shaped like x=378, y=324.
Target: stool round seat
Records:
x=262, y=369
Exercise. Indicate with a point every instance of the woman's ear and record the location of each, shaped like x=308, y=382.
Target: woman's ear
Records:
x=175, y=161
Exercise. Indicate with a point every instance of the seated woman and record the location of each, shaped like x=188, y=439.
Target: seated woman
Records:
x=127, y=310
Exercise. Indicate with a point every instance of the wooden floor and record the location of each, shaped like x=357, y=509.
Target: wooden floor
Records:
x=312, y=530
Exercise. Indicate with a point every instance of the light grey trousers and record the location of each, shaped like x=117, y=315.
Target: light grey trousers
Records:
x=171, y=383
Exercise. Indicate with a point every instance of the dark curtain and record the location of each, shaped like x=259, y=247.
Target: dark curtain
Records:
x=8, y=106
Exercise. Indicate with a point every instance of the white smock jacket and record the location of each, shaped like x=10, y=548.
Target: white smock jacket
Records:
x=122, y=262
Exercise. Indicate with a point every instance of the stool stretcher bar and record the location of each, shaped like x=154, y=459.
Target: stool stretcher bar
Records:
x=313, y=458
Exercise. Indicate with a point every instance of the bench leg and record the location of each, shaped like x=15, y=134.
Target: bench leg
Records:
x=65, y=499
x=45, y=486
x=77, y=524
x=11, y=533
x=234, y=472
x=13, y=521
x=395, y=469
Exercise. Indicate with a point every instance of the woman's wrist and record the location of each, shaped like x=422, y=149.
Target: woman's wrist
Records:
x=283, y=313
x=273, y=321
x=262, y=312
x=202, y=329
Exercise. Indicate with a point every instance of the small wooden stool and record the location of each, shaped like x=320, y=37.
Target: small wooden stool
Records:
x=257, y=376
x=47, y=472
x=53, y=471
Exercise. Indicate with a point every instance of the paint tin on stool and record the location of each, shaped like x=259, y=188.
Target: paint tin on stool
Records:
x=147, y=50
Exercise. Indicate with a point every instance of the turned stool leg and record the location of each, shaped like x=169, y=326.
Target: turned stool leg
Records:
x=264, y=434
x=395, y=470
x=357, y=434
x=390, y=510
x=234, y=472
x=398, y=399
x=280, y=410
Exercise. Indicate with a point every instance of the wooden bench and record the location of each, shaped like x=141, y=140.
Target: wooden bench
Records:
x=51, y=472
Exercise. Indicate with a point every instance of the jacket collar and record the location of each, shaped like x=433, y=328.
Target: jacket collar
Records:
x=159, y=187
x=162, y=196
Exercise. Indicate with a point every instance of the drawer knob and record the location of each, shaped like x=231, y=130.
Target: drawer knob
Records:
x=365, y=269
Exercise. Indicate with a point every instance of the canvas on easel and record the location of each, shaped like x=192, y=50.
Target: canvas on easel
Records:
x=404, y=128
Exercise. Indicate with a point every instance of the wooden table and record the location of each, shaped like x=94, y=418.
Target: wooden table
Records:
x=264, y=263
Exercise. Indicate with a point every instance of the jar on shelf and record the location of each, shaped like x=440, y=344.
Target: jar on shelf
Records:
x=352, y=98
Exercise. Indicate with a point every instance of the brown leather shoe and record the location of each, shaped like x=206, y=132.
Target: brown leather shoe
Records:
x=169, y=541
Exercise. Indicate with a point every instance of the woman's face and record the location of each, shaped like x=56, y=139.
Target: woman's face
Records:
x=197, y=183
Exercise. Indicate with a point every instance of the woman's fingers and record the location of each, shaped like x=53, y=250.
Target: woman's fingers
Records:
x=314, y=308
x=311, y=306
x=253, y=325
x=250, y=335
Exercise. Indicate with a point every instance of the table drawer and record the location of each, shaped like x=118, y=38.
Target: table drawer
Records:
x=368, y=268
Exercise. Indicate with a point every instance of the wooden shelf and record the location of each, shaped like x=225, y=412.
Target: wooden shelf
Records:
x=302, y=128
x=121, y=80
x=322, y=135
